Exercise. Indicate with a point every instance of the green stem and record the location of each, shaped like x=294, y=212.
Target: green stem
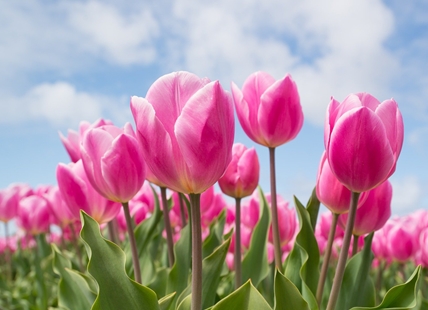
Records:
x=327, y=255
x=275, y=226
x=195, y=200
x=340, y=269
x=182, y=210
x=355, y=245
x=237, y=255
x=168, y=229
x=133, y=244
x=112, y=231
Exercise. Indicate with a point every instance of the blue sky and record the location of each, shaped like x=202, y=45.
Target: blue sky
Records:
x=66, y=61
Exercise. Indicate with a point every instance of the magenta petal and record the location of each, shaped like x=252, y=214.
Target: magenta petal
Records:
x=95, y=144
x=169, y=94
x=71, y=144
x=162, y=157
x=359, y=152
x=123, y=168
x=280, y=115
x=368, y=101
x=205, y=133
x=255, y=86
x=330, y=120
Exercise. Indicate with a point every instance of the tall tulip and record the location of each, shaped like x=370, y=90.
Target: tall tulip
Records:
x=270, y=114
x=186, y=127
x=114, y=164
x=240, y=180
x=363, y=139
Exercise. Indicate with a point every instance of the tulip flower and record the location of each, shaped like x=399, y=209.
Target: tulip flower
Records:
x=79, y=194
x=363, y=139
x=270, y=114
x=186, y=128
x=240, y=180
x=73, y=140
x=58, y=207
x=33, y=215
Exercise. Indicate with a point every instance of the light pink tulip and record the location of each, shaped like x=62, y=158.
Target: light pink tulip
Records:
x=186, y=128
x=330, y=192
x=423, y=242
x=242, y=175
x=286, y=219
x=9, y=199
x=269, y=111
x=79, y=194
x=363, y=139
x=373, y=213
x=58, y=207
x=73, y=140
x=212, y=204
x=324, y=224
x=402, y=244
x=33, y=215
x=113, y=162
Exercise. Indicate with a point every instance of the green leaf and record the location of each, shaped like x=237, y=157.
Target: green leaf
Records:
x=73, y=290
x=215, y=238
x=313, y=207
x=302, y=264
x=244, y=298
x=257, y=253
x=107, y=266
x=166, y=301
x=399, y=297
x=42, y=293
x=287, y=296
x=158, y=285
x=357, y=287
x=211, y=270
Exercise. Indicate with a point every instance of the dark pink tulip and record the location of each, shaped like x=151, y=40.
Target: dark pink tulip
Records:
x=330, y=192
x=212, y=204
x=9, y=199
x=269, y=111
x=113, y=162
x=58, y=207
x=79, y=194
x=324, y=224
x=73, y=140
x=363, y=139
x=423, y=242
x=373, y=213
x=242, y=175
x=186, y=128
x=33, y=215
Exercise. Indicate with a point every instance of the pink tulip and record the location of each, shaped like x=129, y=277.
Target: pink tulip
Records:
x=363, y=139
x=402, y=244
x=212, y=204
x=330, y=192
x=269, y=111
x=186, y=128
x=423, y=242
x=58, y=207
x=79, y=194
x=373, y=213
x=324, y=224
x=9, y=199
x=33, y=215
x=73, y=140
x=113, y=162
x=287, y=221
x=242, y=175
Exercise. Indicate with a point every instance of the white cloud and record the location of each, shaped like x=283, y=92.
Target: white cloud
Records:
x=407, y=193
x=57, y=103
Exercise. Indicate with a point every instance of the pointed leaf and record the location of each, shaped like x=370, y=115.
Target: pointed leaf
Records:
x=257, y=253
x=215, y=238
x=166, y=301
x=287, y=296
x=399, y=297
x=313, y=207
x=107, y=266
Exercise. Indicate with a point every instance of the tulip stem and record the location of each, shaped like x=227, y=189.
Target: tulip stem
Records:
x=275, y=228
x=76, y=246
x=195, y=201
x=327, y=255
x=167, y=222
x=237, y=255
x=112, y=231
x=355, y=245
x=133, y=244
x=182, y=210
x=340, y=269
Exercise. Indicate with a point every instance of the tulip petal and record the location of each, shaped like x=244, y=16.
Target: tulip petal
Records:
x=359, y=152
x=205, y=133
x=280, y=115
x=123, y=168
x=367, y=100
x=162, y=157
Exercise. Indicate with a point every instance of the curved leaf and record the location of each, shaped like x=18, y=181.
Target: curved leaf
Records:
x=107, y=266
x=399, y=297
x=257, y=253
x=287, y=296
x=313, y=207
x=215, y=238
